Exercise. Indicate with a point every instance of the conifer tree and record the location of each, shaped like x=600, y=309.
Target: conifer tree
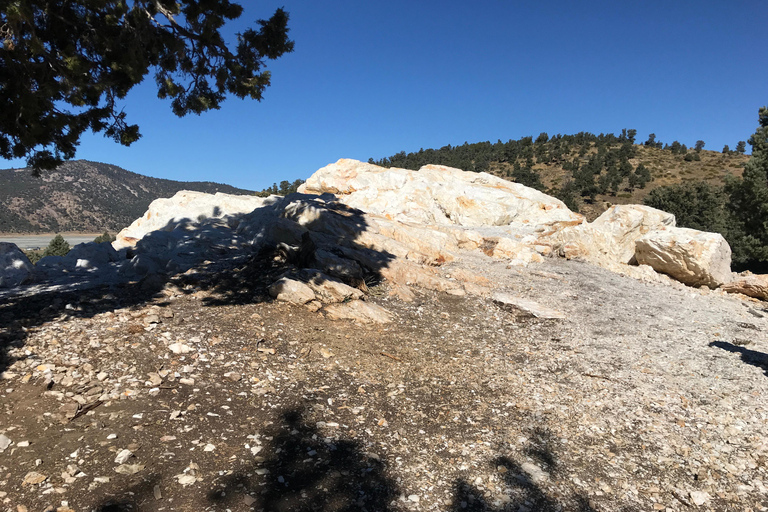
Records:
x=749, y=200
x=64, y=66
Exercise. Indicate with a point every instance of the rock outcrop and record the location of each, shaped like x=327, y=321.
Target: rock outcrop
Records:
x=693, y=257
x=610, y=239
x=15, y=267
x=186, y=209
x=439, y=195
x=354, y=220
x=89, y=256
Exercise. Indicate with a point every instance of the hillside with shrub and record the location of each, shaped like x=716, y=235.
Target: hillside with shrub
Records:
x=84, y=196
x=588, y=172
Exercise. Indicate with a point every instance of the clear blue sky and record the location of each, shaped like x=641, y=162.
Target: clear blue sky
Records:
x=369, y=79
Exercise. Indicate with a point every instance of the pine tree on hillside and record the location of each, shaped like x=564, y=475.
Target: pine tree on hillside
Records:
x=749, y=200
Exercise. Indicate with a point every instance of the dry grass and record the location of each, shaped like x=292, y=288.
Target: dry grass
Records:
x=666, y=169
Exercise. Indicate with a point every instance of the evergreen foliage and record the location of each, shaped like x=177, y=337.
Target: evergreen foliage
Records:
x=738, y=211
x=697, y=205
x=285, y=188
x=594, y=165
x=105, y=237
x=598, y=164
x=748, y=201
x=65, y=65
x=57, y=247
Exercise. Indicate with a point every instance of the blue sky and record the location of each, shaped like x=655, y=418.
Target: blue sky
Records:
x=369, y=79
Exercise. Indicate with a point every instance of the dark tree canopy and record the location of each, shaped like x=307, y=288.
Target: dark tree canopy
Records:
x=64, y=65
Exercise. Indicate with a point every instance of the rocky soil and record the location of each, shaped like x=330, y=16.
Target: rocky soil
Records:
x=205, y=394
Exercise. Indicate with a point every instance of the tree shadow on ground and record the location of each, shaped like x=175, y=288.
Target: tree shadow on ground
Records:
x=233, y=259
x=298, y=465
x=524, y=482
x=302, y=470
x=753, y=357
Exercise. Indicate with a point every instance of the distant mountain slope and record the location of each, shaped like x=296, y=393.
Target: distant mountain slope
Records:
x=84, y=196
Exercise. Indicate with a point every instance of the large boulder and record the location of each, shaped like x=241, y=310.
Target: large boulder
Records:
x=187, y=210
x=610, y=239
x=692, y=257
x=438, y=195
x=15, y=267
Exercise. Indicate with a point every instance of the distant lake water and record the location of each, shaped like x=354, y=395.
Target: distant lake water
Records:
x=42, y=241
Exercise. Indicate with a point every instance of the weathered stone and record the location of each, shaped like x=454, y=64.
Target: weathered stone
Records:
x=692, y=257
x=90, y=255
x=527, y=306
x=437, y=195
x=15, y=267
x=185, y=209
x=327, y=288
x=337, y=266
x=518, y=253
x=34, y=478
x=611, y=238
x=291, y=290
x=359, y=311
x=752, y=285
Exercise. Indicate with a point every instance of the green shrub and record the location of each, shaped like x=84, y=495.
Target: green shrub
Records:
x=34, y=255
x=105, y=237
x=57, y=247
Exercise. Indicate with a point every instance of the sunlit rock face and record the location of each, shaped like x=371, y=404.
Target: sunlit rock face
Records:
x=352, y=219
x=696, y=258
x=438, y=195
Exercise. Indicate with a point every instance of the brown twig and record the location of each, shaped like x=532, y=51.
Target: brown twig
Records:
x=86, y=408
x=392, y=357
x=597, y=376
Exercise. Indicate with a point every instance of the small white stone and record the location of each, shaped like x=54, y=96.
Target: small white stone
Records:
x=186, y=480
x=414, y=498
x=699, y=497
x=209, y=447
x=179, y=348
x=123, y=456
x=112, y=436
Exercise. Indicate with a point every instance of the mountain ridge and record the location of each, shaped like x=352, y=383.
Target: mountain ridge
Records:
x=85, y=196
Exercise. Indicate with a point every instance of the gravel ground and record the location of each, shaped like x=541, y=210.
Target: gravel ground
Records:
x=645, y=396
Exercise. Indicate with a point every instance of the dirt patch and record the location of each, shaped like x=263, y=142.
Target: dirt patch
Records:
x=643, y=398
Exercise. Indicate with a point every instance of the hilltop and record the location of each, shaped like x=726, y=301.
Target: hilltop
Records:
x=84, y=196
x=588, y=172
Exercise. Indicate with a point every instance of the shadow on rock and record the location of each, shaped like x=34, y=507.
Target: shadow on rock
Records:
x=753, y=357
x=298, y=469
x=232, y=259
x=311, y=239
